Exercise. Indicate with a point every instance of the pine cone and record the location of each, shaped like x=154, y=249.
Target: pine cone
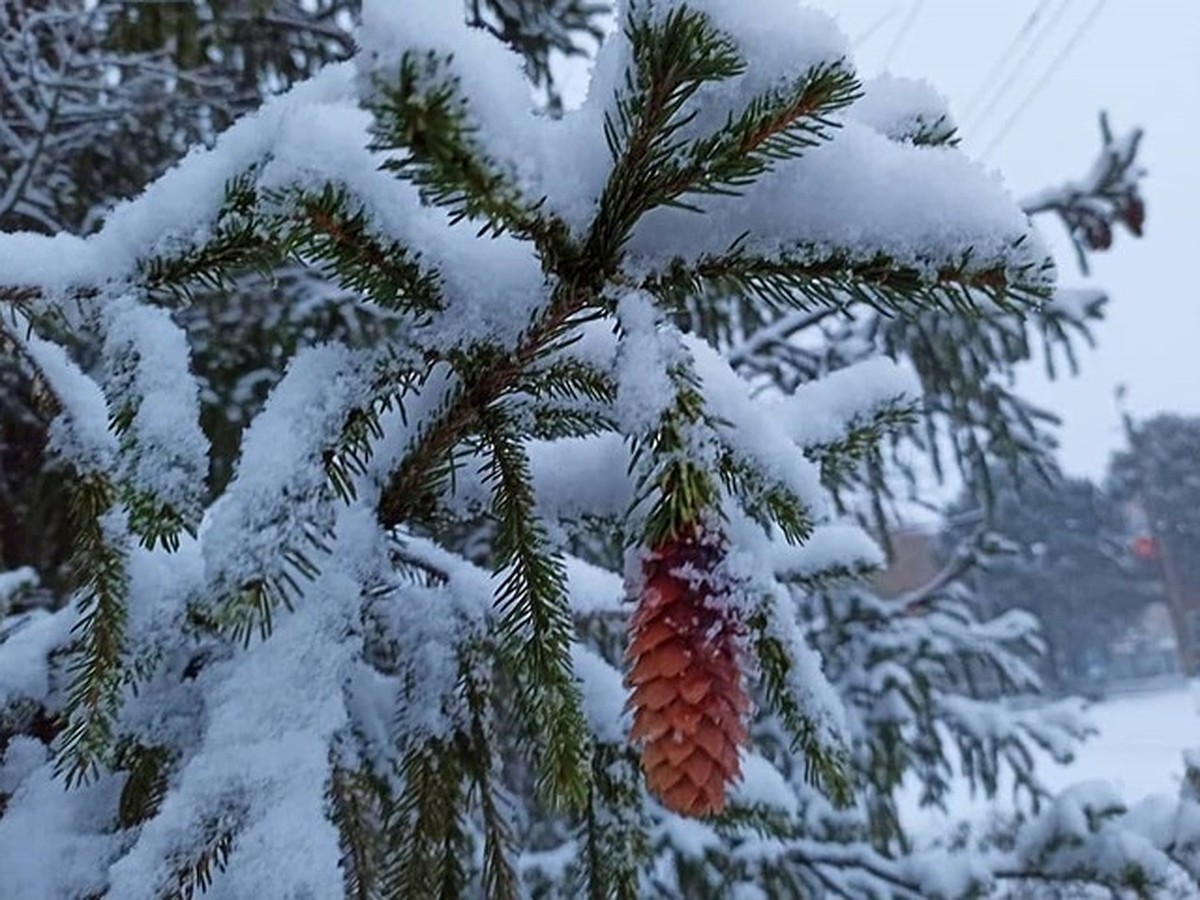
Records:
x=687, y=698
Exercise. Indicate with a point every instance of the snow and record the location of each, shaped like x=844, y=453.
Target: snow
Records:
x=277, y=500
x=689, y=837
x=178, y=208
x=430, y=624
x=862, y=194
x=751, y=433
x=493, y=76
x=24, y=668
x=823, y=412
x=776, y=36
x=593, y=590
x=160, y=587
x=558, y=160
x=1138, y=751
x=146, y=356
x=490, y=287
x=763, y=785
x=79, y=435
x=13, y=582
x=645, y=391
x=313, y=135
x=55, y=843
x=900, y=108
x=1140, y=744
x=830, y=546
x=816, y=698
x=263, y=759
x=574, y=477
x=779, y=41
x=604, y=696
x=941, y=873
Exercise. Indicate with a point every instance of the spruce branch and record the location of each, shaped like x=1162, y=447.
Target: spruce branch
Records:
x=1108, y=195
x=155, y=521
x=941, y=132
x=348, y=460
x=535, y=624
x=426, y=826
x=195, y=876
x=424, y=114
x=96, y=667
x=683, y=488
x=363, y=426
x=824, y=765
x=839, y=459
x=657, y=164
x=250, y=607
x=565, y=398
x=810, y=280
x=428, y=466
x=568, y=379
x=425, y=468
x=259, y=230
x=19, y=296
x=672, y=59
x=326, y=229
x=919, y=130
x=778, y=125
x=241, y=239
x=146, y=785
x=500, y=879
x=829, y=577
x=356, y=810
x=767, y=501
x=550, y=423
x=13, y=322
x=614, y=830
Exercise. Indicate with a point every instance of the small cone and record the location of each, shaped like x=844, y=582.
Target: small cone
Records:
x=686, y=682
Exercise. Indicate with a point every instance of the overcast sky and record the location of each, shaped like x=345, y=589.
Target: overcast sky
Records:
x=1140, y=60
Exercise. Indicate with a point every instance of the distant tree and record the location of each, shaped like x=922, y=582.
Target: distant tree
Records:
x=1160, y=474
x=1068, y=563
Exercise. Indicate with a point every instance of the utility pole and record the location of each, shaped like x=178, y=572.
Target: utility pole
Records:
x=1185, y=640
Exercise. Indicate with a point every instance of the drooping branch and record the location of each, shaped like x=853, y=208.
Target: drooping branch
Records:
x=1109, y=194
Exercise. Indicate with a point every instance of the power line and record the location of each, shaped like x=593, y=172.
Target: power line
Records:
x=904, y=31
x=1005, y=56
x=1019, y=69
x=1050, y=72
x=875, y=26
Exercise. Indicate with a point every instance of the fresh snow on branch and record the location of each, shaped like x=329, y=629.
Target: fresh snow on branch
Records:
x=552, y=583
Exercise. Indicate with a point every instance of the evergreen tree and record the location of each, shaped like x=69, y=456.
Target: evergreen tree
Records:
x=99, y=99
x=1069, y=564
x=385, y=659
x=96, y=100
x=1160, y=475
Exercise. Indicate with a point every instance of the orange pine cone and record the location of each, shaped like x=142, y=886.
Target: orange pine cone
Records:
x=686, y=680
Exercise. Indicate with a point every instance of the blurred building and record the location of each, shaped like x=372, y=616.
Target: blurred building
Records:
x=914, y=562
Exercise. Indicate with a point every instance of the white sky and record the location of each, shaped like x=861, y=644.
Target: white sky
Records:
x=1140, y=60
